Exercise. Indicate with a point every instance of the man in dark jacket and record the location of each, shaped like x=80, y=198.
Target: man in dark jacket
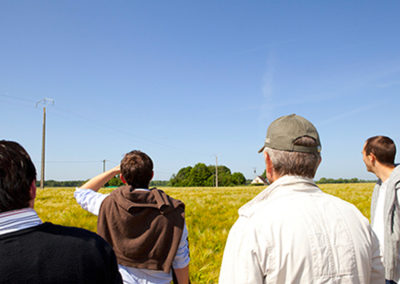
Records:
x=36, y=252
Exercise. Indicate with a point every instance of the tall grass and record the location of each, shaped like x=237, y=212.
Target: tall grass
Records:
x=210, y=212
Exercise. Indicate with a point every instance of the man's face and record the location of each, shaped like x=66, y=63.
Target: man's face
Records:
x=367, y=160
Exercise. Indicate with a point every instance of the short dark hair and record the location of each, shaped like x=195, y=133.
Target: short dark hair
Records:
x=17, y=173
x=382, y=147
x=296, y=163
x=137, y=169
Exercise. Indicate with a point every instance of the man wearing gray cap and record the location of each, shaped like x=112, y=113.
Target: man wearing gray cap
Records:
x=292, y=232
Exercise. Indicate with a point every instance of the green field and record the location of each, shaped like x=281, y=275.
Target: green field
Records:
x=210, y=213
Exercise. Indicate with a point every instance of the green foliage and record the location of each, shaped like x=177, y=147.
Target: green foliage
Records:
x=202, y=175
x=199, y=175
x=67, y=183
x=238, y=179
x=115, y=181
x=264, y=174
x=154, y=183
x=181, y=178
x=341, y=180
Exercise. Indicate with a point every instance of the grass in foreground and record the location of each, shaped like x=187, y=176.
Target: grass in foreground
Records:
x=210, y=213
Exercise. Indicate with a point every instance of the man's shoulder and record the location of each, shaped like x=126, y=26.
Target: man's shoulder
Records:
x=72, y=235
x=299, y=203
x=176, y=203
x=395, y=176
x=70, y=231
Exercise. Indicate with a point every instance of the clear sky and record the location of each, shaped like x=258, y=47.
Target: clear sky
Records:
x=185, y=81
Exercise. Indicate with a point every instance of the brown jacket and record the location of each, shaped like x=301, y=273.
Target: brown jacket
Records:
x=143, y=227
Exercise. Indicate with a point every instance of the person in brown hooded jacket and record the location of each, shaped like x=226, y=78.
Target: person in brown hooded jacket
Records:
x=146, y=227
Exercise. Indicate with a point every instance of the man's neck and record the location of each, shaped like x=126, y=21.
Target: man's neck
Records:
x=383, y=172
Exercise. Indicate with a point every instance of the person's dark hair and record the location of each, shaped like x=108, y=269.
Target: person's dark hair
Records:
x=296, y=163
x=17, y=173
x=382, y=147
x=137, y=169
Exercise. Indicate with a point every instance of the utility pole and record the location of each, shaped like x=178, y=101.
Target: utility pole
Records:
x=45, y=101
x=104, y=166
x=216, y=171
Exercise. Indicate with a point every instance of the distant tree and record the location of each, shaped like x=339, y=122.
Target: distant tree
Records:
x=199, y=175
x=115, y=181
x=159, y=183
x=67, y=183
x=202, y=175
x=342, y=180
x=224, y=176
x=238, y=179
x=264, y=174
x=181, y=178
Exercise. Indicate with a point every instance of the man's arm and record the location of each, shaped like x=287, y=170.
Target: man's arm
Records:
x=88, y=197
x=99, y=181
x=182, y=275
x=181, y=260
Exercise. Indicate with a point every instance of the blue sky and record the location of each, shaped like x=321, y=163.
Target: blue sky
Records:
x=185, y=81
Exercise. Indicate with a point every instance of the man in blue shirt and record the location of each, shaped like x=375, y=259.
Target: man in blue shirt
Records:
x=36, y=252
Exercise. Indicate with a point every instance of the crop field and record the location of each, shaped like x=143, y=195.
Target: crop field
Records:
x=210, y=212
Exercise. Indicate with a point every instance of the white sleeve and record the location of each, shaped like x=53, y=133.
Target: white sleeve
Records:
x=241, y=263
x=377, y=270
x=89, y=200
x=182, y=258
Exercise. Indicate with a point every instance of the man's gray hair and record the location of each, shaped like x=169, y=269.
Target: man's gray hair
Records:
x=295, y=163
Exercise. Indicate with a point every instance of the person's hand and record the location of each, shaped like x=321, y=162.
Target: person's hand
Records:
x=116, y=170
x=100, y=180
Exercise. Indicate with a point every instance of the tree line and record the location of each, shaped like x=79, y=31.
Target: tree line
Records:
x=202, y=175
x=336, y=180
x=199, y=175
x=66, y=183
x=344, y=180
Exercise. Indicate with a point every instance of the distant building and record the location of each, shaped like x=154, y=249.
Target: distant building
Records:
x=259, y=180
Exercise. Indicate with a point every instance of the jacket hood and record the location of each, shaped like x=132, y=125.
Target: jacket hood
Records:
x=129, y=199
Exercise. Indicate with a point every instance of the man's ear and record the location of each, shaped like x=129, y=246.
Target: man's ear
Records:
x=121, y=177
x=268, y=165
x=372, y=158
x=32, y=190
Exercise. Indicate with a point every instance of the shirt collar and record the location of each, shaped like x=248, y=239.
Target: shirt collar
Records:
x=15, y=220
x=286, y=182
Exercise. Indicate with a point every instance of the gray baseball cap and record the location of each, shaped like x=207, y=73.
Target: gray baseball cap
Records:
x=283, y=131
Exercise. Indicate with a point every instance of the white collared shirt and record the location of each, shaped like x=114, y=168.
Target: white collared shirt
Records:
x=91, y=201
x=378, y=225
x=15, y=220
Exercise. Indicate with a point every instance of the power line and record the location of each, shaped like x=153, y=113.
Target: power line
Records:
x=17, y=98
x=125, y=132
x=77, y=162
x=20, y=100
